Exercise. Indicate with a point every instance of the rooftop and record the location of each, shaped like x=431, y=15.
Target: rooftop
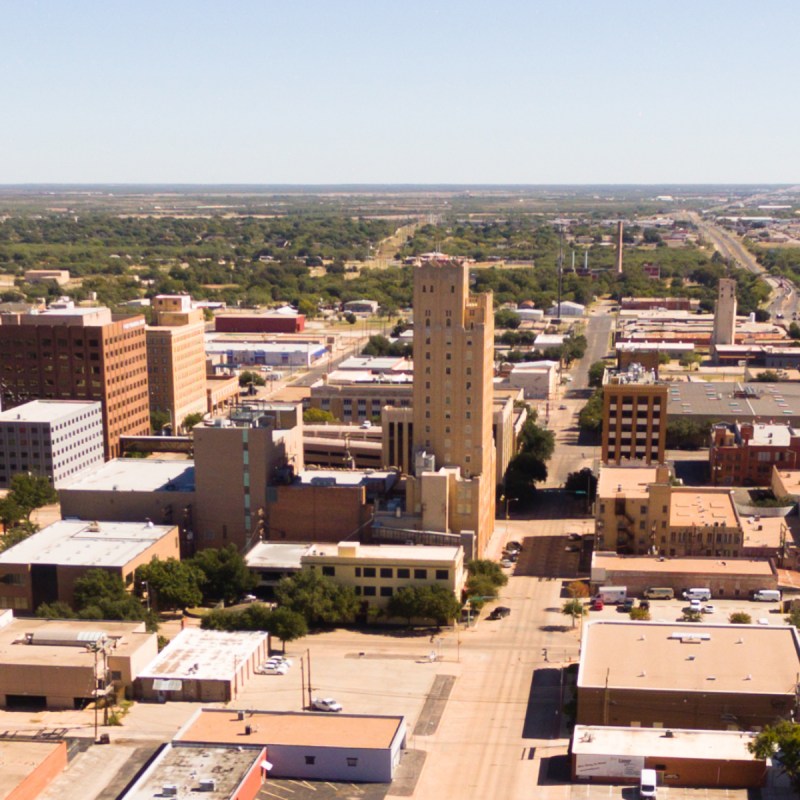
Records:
x=267, y=347
x=185, y=767
x=681, y=743
x=690, y=657
x=266, y=555
x=375, y=363
x=658, y=565
x=20, y=759
x=195, y=654
x=634, y=374
x=48, y=410
x=789, y=479
x=137, y=475
x=632, y=481
x=385, y=552
x=289, y=728
x=769, y=402
x=344, y=477
x=339, y=376
x=704, y=507
x=777, y=435
x=766, y=532
x=86, y=544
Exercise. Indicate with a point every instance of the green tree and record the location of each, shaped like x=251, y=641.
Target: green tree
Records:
x=16, y=534
x=524, y=471
x=404, y=603
x=350, y=318
x=171, y=584
x=781, y=743
x=55, y=610
x=287, y=625
x=10, y=511
x=794, y=331
x=692, y=615
x=536, y=440
x=100, y=594
x=740, y=618
x=574, y=608
x=590, y=418
x=506, y=318
x=582, y=481
x=158, y=419
x=640, y=614
x=247, y=377
x=489, y=569
x=30, y=491
x=794, y=616
x=768, y=376
x=596, y=372
x=318, y=599
x=190, y=420
x=227, y=576
x=439, y=604
x=687, y=434
x=481, y=586
x=317, y=416
x=690, y=360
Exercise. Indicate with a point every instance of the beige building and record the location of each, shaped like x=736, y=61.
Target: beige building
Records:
x=356, y=400
x=44, y=567
x=176, y=360
x=452, y=485
x=634, y=416
x=639, y=511
x=58, y=276
x=376, y=572
x=48, y=664
x=725, y=313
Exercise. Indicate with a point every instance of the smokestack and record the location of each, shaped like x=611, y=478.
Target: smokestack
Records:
x=619, y=248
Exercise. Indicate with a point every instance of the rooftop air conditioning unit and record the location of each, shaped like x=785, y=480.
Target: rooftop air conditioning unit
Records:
x=169, y=790
x=207, y=785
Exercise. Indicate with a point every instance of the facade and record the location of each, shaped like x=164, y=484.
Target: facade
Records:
x=537, y=379
x=343, y=446
x=567, y=309
x=203, y=666
x=452, y=485
x=58, y=276
x=686, y=675
x=680, y=757
x=59, y=439
x=354, y=400
x=730, y=578
x=69, y=353
x=361, y=306
x=259, y=323
x=45, y=663
x=725, y=313
x=302, y=746
x=44, y=567
x=639, y=512
x=176, y=359
x=377, y=571
x=745, y=453
x=634, y=417
x=286, y=354
x=647, y=303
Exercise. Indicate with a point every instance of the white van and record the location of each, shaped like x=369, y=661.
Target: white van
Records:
x=659, y=593
x=767, y=595
x=647, y=783
x=697, y=594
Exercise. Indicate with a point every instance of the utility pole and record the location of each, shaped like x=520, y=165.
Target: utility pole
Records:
x=302, y=684
x=308, y=656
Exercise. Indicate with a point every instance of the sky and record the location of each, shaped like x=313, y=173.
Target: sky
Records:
x=399, y=91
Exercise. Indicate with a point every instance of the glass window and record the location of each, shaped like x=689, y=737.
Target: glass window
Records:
x=369, y=572
x=421, y=574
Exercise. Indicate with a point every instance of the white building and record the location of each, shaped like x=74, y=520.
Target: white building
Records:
x=56, y=438
x=537, y=379
x=278, y=354
x=568, y=309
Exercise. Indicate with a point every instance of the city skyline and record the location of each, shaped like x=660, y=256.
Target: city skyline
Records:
x=311, y=93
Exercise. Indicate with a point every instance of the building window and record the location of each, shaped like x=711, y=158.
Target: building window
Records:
x=369, y=572
x=420, y=574
x=329, y=571
x=358, y=572
x=386, y=591
x=311, y=760
x=369, y=591
x=386, y=572
x=402, y=572
x=442, y=574
x=352, y=762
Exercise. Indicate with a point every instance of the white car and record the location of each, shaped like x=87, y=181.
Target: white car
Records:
x=325, y=704
x=708, y=608
x=695, y=605
x=272, y=669
x=280, y=660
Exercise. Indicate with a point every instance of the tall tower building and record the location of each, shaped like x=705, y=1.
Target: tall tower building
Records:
x=453, y=481
x=634, y=416
x=725, y=313
x=68, y=353
x=176, y=358
x=619, y=247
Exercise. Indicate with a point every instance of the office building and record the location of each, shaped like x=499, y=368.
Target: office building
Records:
x=634, y=416
x=59, y=439
x=744, y=453
x=452, y=486
x=69, y=353
x=176, y=359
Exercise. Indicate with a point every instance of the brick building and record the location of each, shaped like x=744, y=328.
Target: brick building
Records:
x=744, y=453
x=70, y=353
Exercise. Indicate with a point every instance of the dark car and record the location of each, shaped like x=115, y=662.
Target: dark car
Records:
x=644, y=604
x=499, y=612
x=625, y=606
x=514, y=546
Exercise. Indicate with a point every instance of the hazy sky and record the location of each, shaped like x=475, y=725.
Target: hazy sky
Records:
x=400, y=91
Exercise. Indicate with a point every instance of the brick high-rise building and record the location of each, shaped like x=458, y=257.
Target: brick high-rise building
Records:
x=69, y=353
x=634, y=416
x=453, y=481
x=176, y=359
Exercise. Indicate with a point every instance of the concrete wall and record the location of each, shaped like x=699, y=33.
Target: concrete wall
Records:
x=115, y=506
x=330, y=763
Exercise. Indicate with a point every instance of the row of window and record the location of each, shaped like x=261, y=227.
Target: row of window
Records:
x=402, y=573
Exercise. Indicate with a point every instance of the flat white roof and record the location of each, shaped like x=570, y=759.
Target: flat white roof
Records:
x=266, y=347
x=86, y=544
x=385, y=552
x=598, y=740
x=778, y=435
x=276, y=556
x=137, y=475
x=343, y=477
x=195, y=654
x=48, y=410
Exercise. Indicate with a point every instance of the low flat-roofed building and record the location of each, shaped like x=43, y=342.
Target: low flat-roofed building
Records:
x=45, y=663
x=744, y=453
x=303, y=746
x=377, y=571
x=686, y=675
x=786, y=483
x=227, y=772
x=680, y=757
x=537, y=379
x=44, y=567
x=132, y=490
x=726, y=578
x=203, y=666
x=272, y=561
x=270, y=354
x=29, y=766
x=768, y=538
x=58, y=276
x=59, y=439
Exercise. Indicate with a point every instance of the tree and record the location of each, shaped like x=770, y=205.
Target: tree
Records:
x=481, y=586
x=762, y=315
x=577, y=589
x=781, y=743
x=10, y=512
x=404, y=603
x=690, y=360
x=190, y=420
x=350, y=318
x=100, y=594
x=318, y=599
x=171, y=584
x=536, y=440
x=287, y=625
x=640, y=614
x=740, y=618
x=768, y=376
x=30, y=492
x=687, y=434
x=590, y=417
x=226, y=575
x=437, y=603
x=506, y=318
x=317, y=416
x=574, y=609
x=158, y=419
x=16, y=534
x=524, y=470
x=596, y=372
x=794, y=331
x=55, y=610
x=584, y=481
x=794, y=616
x=692, y=615
x=489, y=569
x=247, y=377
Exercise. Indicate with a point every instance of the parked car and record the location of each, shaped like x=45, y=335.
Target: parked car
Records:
x=514, y=546
x=708, y=608
x=499, y=612
x=627, y=604
x=575, y=537
x=280, y=660
x=506, y=564
x=272, y=669
x=325, y=704
x=695, y=605
x=562, y=408
x=597, y=604
x=644, y=604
